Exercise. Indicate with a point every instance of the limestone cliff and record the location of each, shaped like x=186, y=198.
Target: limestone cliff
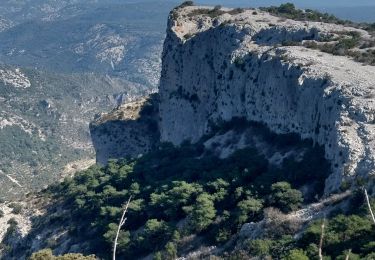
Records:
x=129, y=130
x=234, y=64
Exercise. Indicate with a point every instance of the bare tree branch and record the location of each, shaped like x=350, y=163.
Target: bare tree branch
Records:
x=321, y=239
x=369, y=205
x=348, y=254
x=121, y=223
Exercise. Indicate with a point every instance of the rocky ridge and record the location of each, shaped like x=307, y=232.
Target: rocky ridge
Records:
x=232, y=64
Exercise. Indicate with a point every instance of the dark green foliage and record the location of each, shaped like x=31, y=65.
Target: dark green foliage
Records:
x=342, y=46
x=178, y=191
x=248, y=209
x=288, y=10
x=269, y=249
x=355, y=232
x=259, y=247
x=296, y=254
x=215, y=12
x=203, y=212
x=284, y=197
x=47, y=254
x=236, y=11
x=186, y=3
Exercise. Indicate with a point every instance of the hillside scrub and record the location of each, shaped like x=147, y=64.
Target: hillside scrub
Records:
x=181, y=191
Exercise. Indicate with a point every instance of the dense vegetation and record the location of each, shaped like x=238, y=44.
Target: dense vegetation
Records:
x=185, y=197
x=185, y=191
x=288, y=10
x=46, y=254
x=352, y=233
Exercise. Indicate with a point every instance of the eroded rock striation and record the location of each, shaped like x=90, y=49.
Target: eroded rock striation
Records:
x=234, y=64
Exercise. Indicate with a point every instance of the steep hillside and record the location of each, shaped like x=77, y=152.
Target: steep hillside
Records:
x=62, y=62
x=224, y=63
x=114, y=38
x=259, y=145
x=44, y=122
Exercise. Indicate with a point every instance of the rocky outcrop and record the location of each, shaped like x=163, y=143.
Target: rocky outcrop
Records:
x=128, y=131
x=233, y=64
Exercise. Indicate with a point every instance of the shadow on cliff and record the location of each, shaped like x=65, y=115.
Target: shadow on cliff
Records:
x=128, y=131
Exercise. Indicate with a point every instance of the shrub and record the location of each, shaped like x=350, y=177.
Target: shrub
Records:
x=236, y=11
x=348, y=255
x=12, y=222
x=170, y=251
x=284, y=197
x=46, y=254
x=16, y=208
x=187, y=3
x=155, y=234
x=248, y=208
x=342, y=232
x=296, y=254
x=288, y=10
x=203, y=212
x=177, y=188
x=259, y=247
x=123, y=238
x=223, y=235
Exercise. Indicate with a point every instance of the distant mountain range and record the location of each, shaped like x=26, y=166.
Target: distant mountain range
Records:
x=62, y=62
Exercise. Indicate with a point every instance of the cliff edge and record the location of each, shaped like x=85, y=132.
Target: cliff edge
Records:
x=224, y=63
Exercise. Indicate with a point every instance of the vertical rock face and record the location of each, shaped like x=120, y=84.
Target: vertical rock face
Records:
x=218, y=68
x=129, y=130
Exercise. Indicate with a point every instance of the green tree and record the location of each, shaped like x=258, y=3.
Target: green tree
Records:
x=218, y=189
x=203, y=212
x=123, y=239
x=158, y=256
x=312, y=251
x=287, y=8
x=259, y=247
x=222, y=235
x=173, y=198
x=370, y=256
x=156, y=233
x=46, y=254
x=345, y=254
x=170, y=251
x=248, y=208
x=296, y=254
x=284, y=197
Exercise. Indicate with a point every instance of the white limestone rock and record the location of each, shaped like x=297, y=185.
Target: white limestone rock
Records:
x=232, y=66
